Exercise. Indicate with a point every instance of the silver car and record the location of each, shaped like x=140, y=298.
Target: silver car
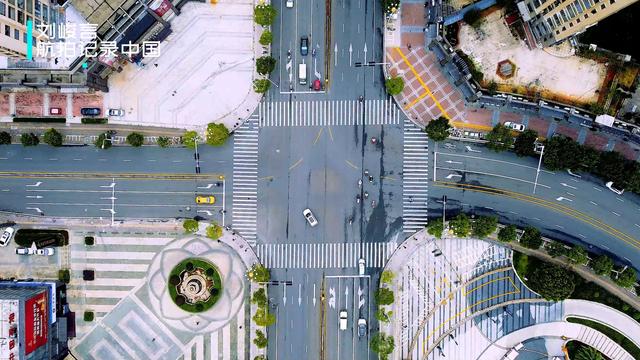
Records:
x=6, y=236
x=310, y=218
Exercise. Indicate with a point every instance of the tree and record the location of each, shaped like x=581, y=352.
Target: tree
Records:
x=384, y=296
x=261, y=86
x=472, y=17
x=266, y=38
x=265, y=65
x=190, y=226
x=383, y=316
x=484, y=226
x=492, y=87
x=555, y=249
x=586, y=352
x=103, y=141
x=217, y=134
x=552, y=282
x=52, y=137
x=189, y=139
x=531, y=238
x=461, y=225
x=88, y=316
x=507, y=233
x=258, y=273
x=561, y=152
x=260, y=357
x=135, y=139
x=259, y=298
x=263, y=317
x=5, y=138
x=260, y=340
x=499, y=138
x=577, y=255
x=524, y=143
x=163, y=141
x=602, y=265
x=264, y=14
x=389, y=5
x=435, y=228
x=394, y=85
x=29, y=139
x=387, y=277
x=382, y=344
x=626, y=278
x=214, y=231
x=438, y=129
x=612, y=166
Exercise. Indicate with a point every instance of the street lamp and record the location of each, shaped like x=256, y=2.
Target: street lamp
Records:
x=106, y=139
x=535, y=184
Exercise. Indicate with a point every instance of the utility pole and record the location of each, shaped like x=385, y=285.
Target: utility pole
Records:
x=444, y=209
x=535, y=184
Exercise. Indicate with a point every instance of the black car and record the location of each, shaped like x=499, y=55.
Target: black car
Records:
x=304, y=46
x=90, y=111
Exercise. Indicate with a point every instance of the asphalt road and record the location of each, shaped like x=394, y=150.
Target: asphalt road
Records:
x=578, y=210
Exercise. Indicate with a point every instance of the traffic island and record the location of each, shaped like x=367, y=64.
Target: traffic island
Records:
x=195, y=285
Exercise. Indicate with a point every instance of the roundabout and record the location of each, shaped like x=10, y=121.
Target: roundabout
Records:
x=195, y=285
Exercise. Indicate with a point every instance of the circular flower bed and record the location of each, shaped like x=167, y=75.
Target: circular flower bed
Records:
x=195, y=285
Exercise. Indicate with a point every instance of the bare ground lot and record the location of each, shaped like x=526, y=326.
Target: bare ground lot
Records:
x=552, y=72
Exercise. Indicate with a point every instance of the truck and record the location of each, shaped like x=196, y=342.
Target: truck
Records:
x=302, y=74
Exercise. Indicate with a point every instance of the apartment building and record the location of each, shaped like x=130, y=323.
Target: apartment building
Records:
x=13, y=23
x=551, y=21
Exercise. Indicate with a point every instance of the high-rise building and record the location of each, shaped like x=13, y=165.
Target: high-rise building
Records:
x=552, y=21
x=14, y=15
x=32, y=321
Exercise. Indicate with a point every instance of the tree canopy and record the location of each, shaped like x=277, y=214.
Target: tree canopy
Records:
x=261, y=86
x=484, y=226
x=588, y=353
x=263, y=317
x=258, y=273
x=190, y=225
x=460, y=225
x=552, y=282
x=394, y=85
x=266, y=38
x=264, y=14
x=384, y=296
x=382, y=344
x=499, y=138
x=29, y=139
x=135, y=139
x=524, y=143
x=5, y=138
x=217, y=134
x=438, y=129
x=259, y=298
x=602, y=265
x=265, y=64
x=531, y=238
x=52, y=137
x=260, y=340
x=577, y=255
x=627, y=277
x=189, y=139
x=507, y=233
x=214, y=231
x=435, y=228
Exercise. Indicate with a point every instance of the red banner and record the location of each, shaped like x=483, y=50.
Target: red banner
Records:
x=36, y=322
x=160, y=7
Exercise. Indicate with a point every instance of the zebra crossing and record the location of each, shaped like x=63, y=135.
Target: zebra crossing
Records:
x=322, y=256
x=329, y=113
x=245, y=179
x=415, y=169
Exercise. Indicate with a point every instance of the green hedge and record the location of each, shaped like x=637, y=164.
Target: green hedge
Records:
x=94, y=120
x=614, y=335
x=40, y=119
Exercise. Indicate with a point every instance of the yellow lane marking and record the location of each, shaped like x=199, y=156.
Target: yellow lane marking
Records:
x=318, y=137
x=388, y=178
x=267, y=178
x=296, y=164
x=424, y=86
x=330, y=134
x=460, y=124
x=465, y=293
x=415, y=101
x=547, y=204
x=350, y=164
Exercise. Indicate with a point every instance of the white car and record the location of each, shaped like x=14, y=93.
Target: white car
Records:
x=343, y=319
x=116, y=112
x=361, y=266
x=289, y=3
x=609, y=186
x=514, y=126
x=45, y=252
x=25, y=251
x=310, y=218
x=6, y=236
x=362, y=327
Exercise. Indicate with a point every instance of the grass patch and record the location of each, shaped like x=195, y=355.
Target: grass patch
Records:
x=94, y=120
x=64, y=276
x=42, y=237
x=211, y=273
x=613, y=334
x=40, y=119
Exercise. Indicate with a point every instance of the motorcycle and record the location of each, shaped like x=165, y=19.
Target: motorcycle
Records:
x=358, y=199
x=366, y=195
x=370, y=178
x=373, y=203
x=359, y=183
x=313, y=53
x=361, y=98
x=350, y=221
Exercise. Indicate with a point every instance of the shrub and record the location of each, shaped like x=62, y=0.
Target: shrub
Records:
x=64, y=276
x=217, y=134
x=264, y=14
x=261, y=86
x=531, y=238
x=189, y=139
x=88, y=316
x=525, y=143
x=190, y=226
x=265, y=65
x=507, y=233
x=135, y=139
x=438, y=129
x=163, y=141
x=210, y=272
x=199, y=307
x=552, y=282
x=556, y=248
x=382, y=344
x=180, y=300
x=174, y=280
x=29, y=139
x=460, y=225
x=89, y=240
x=5, y=138
x=484, y=226
x=94, y=120
x=383, y=316
x=258, y=273
x=626, y=278
x=263, y=317
x=435, y=228
x=266, y=38
x=492, y=87
x=499, y=138
x=602, y=265
x=259, y=298
x=189, y=266
x=394, y=85
x=260, y=340
x=384, y=296
x=577, y=255
x=103, y=142
x=52, y=137
x=387, y=277
x=214, y=292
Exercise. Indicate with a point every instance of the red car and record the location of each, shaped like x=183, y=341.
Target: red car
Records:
x=317, y=85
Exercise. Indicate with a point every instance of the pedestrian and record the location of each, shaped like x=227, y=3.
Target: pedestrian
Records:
x=156, y=65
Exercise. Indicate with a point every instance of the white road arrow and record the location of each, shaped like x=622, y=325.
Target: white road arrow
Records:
x=206, y=187
x=453, y=162
x=36, y=184
x=314, y=295
x=205, y=212
x=569, y=186
x=332, y=298
x=108, y=186
x=34, y=197
x=111, y=211
x=563, y=198
x=469, y=149
x=361, y=299
x=36, y=209
x=284, y=296
x=299, y=294
x=451, y=176
x=108, y=198
x=365, y=52
x=335, y=51
x=350, y=53
x=346, y=294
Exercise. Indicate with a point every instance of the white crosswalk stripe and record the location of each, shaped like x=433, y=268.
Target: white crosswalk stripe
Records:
x=329, y=113
x=323, y=256
x=415, y=169
x=245, y=179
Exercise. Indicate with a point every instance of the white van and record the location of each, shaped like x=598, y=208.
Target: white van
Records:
x=343, y=320
x=302, y=74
